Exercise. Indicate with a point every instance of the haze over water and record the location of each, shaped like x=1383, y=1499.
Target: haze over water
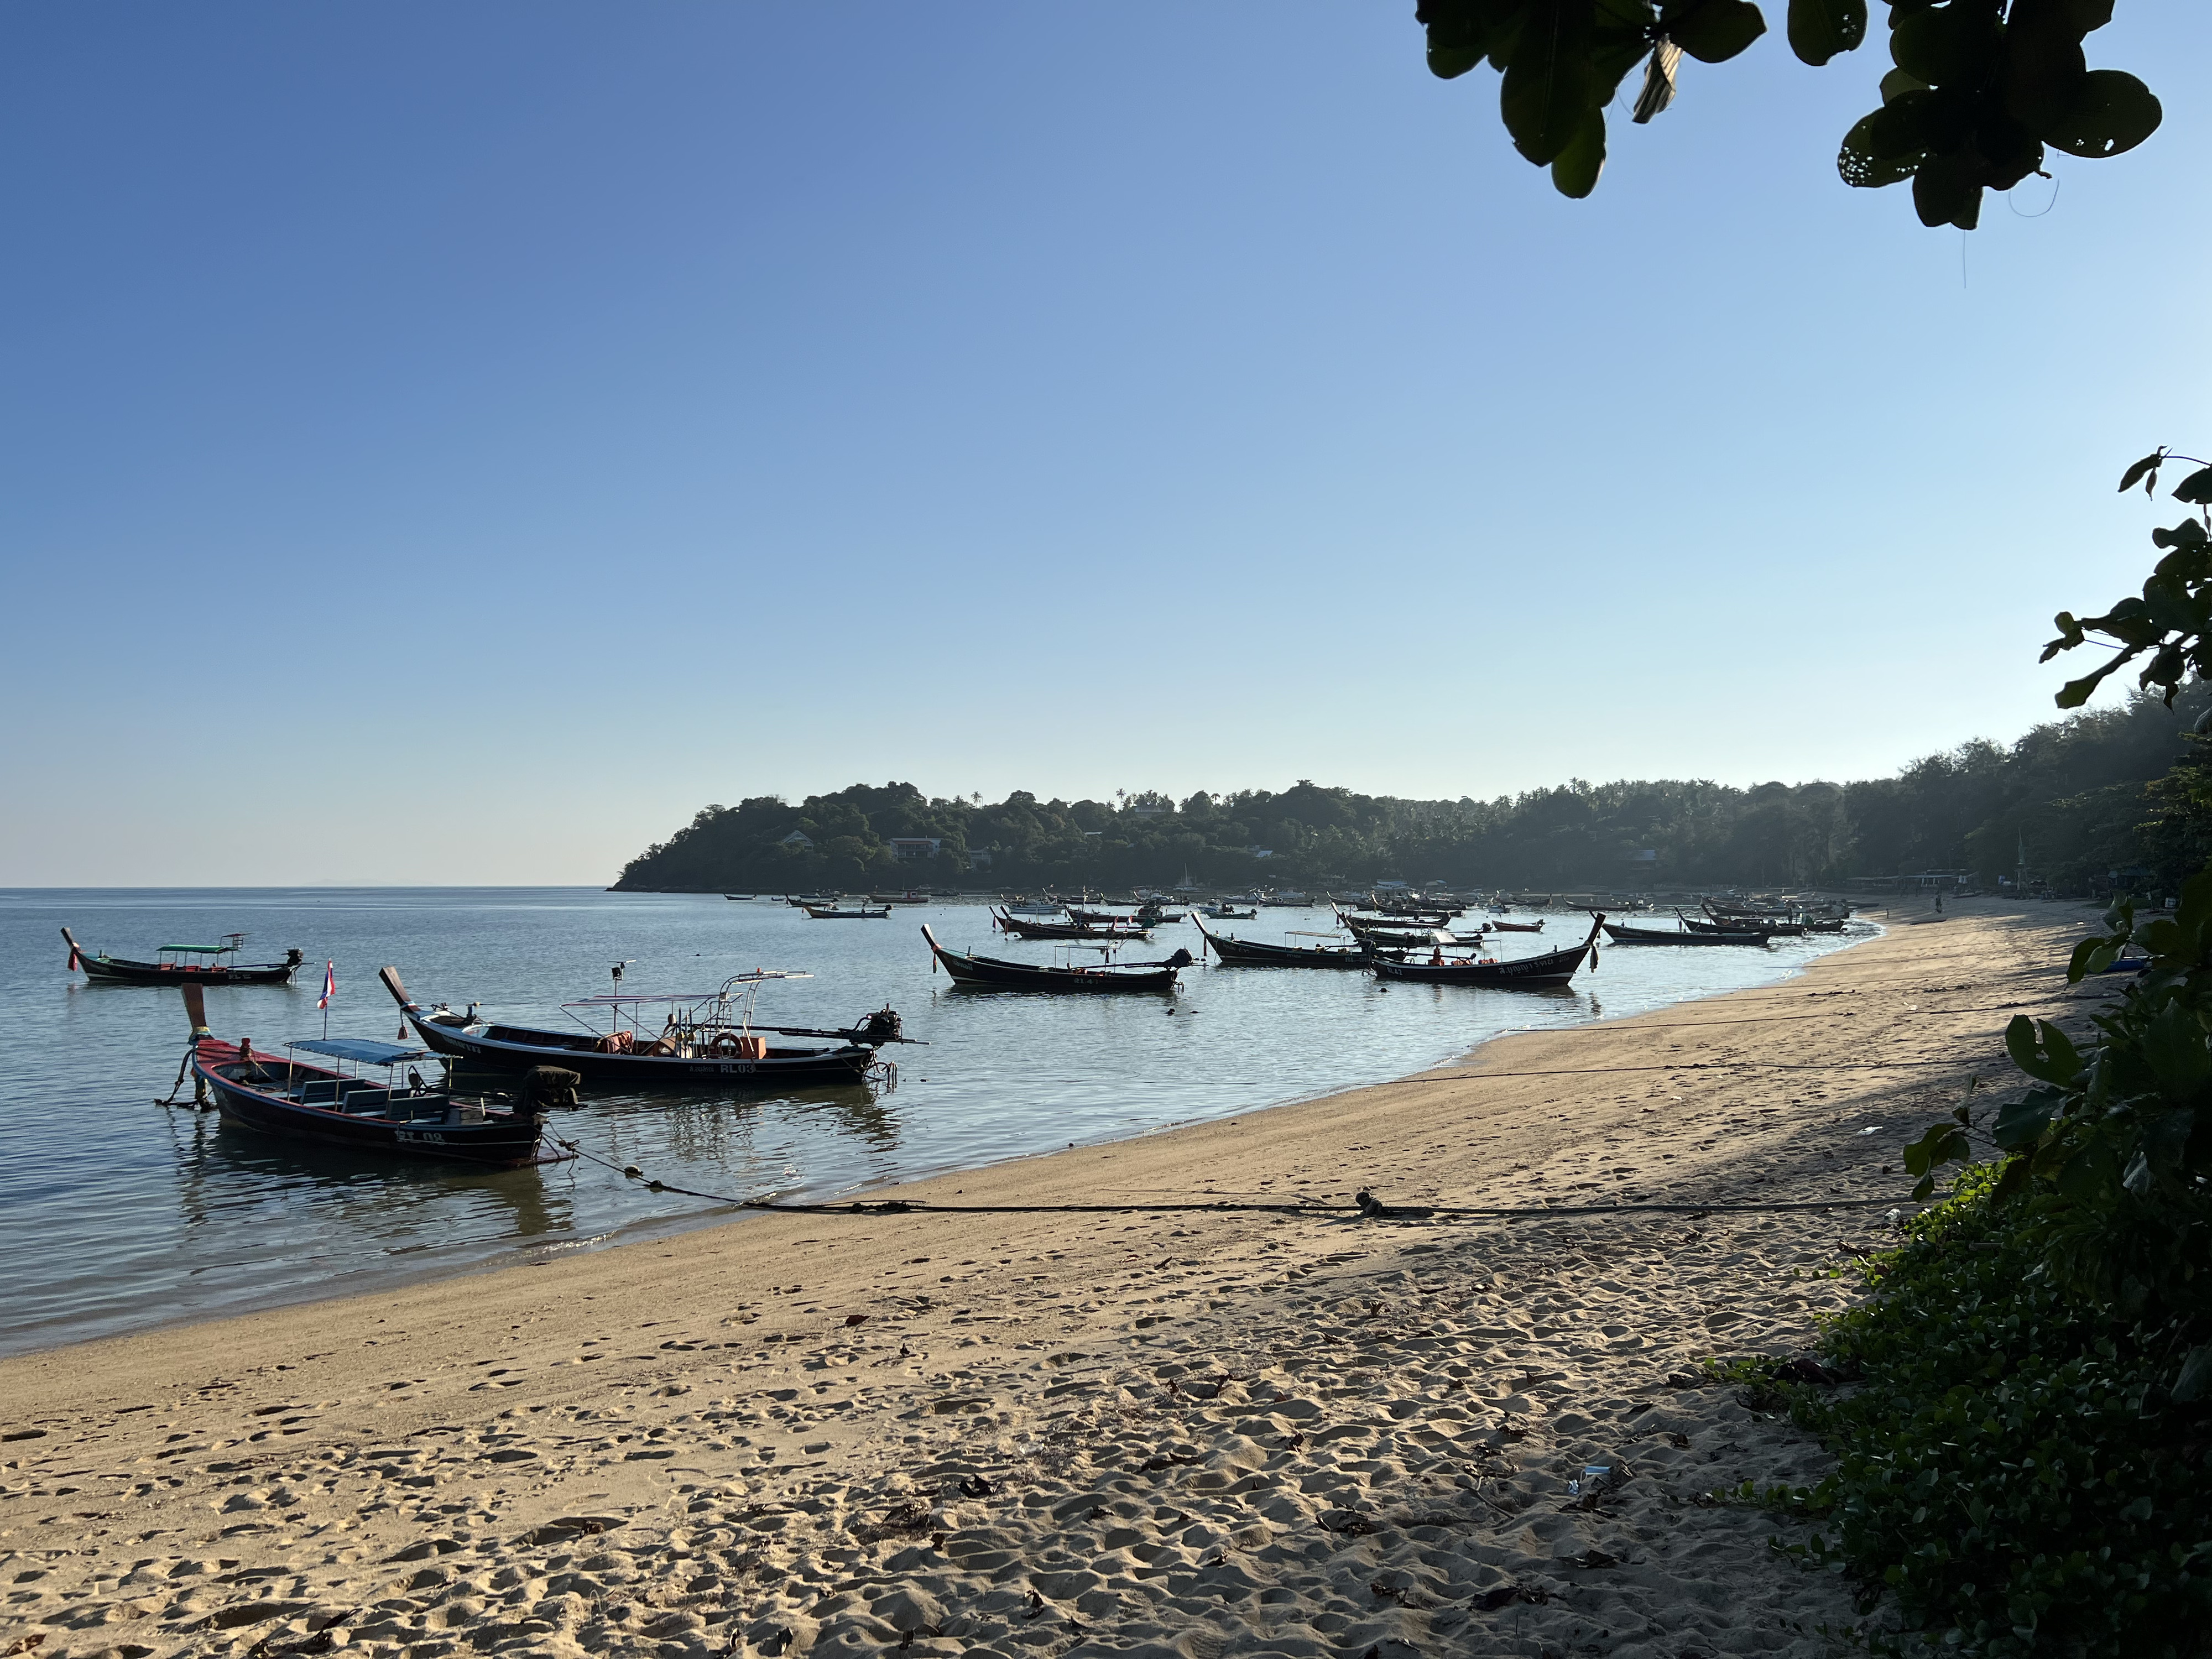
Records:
x=117, y=1213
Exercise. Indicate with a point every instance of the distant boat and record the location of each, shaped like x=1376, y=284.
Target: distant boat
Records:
x=996, y=974
x=898, y=898
x=1022, y=928
x=1029, y=906
x=1621, y=935
x=1519, y=972
x=832, y=913
x=1515, y=926
x=181, y=964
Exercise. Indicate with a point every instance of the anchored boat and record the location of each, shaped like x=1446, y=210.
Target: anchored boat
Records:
x=1518, y=973
x=183, y=964
x=996, y=974
x=704, y=1037
x=341, y=1104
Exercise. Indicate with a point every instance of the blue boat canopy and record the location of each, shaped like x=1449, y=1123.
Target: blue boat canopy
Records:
x=362, y=1050
x=201, y=949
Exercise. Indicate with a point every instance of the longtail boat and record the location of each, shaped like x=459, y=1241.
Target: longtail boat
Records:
x=341, y=1106
x=1519, y=972
x=707, y=1037
x=1621, y=935
x=1734, y=925
x=832, y=913
x=1251, y=953
x=182, y=965
x=1024, y=927
x=996, y=974
x=1515, y=926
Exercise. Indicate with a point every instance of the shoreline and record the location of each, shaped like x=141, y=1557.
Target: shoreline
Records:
x=398, y=1266
x=1004, y=1431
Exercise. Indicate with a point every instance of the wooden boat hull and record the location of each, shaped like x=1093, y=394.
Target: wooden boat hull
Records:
x=1248, y=953
x=107, y=971
x=1553, y=968
x=503, y=1141
x=104, y=969
x=994, y=973
x=1653, y=936
x=1019, y=928
x=517, y=1048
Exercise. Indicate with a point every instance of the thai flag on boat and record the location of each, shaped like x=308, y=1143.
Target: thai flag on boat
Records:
x=329, y=985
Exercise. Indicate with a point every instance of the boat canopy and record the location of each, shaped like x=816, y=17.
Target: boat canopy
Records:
x=199, y=949
x=362, y=1050
x=624, y=999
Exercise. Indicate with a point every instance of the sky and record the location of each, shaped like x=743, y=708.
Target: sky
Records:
x=457, y=443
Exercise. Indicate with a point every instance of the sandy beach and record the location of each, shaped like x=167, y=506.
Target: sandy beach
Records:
x=1142, y=1433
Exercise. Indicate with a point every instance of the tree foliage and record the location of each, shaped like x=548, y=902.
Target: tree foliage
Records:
x=2100, y=792
x=2171, y=619
x=1980, y=93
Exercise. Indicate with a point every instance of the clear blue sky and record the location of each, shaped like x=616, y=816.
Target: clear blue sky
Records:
x=457, y=442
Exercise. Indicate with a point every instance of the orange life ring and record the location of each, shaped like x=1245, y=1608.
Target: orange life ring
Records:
x=726, y=1044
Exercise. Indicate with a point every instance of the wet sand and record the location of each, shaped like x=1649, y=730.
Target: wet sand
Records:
x=1139, y=1432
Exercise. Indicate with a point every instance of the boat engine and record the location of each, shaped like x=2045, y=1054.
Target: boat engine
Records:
x=881, y=1027
x=294, y=958
x=544, y=1087
x=1181, y=958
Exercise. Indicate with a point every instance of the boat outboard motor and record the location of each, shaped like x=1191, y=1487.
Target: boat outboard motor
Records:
x=881, y=1027
x=544, y=1087
x=294, y=958
x=1181, y=958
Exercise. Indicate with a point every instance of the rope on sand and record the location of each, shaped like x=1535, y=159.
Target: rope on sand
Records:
x=1365, y=1205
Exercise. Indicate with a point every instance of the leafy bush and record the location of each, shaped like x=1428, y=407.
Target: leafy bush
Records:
x=2010, y=1464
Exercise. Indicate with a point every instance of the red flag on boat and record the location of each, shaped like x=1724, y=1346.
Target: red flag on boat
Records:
x=329, y=985
x=73, y=958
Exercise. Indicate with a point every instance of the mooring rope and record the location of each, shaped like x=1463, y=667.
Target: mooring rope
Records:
x=1364, y=1204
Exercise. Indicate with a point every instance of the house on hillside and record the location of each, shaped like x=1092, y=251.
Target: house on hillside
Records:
x=798, y=838
x=915, y=847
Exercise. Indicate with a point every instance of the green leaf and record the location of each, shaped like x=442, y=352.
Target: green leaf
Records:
x=2196, y=1375
x=1575, y=170
x=1447, y=63
x=1888, y=147
x=2144, y=469
x=1946, y=191
x=2195, y=489
x=1546, y=89
x=2175, y=1049
x=2013, y=1181
x=1946, y=45
x=1944, y=1144
x=2043, y=61
x=1819, y=29
x=2042, y=1050
x=1897, y=83
x=2112, y=113
x=1712, y=31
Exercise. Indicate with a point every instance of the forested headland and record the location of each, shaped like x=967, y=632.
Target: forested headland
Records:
x=2124, y=790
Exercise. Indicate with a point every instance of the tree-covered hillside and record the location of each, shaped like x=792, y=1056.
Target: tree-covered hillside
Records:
x=2117, y=789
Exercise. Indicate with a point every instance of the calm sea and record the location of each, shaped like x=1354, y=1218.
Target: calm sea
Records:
x=117, y=1213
